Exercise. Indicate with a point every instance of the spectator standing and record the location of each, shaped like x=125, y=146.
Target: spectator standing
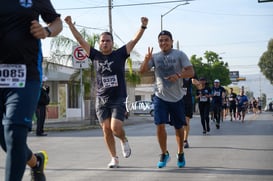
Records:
x=42, y=109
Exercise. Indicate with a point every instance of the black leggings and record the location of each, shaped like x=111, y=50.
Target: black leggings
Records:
x=232, y=109
x=217, y=113
x=204, y=114
x=15, y=163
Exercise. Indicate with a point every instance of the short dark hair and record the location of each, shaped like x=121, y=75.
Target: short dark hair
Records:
x=165, y=32
x=107, y=33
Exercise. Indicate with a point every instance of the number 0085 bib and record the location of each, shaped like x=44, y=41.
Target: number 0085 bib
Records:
x=12, y=75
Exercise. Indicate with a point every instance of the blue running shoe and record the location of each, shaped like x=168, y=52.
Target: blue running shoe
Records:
x=181, y=162
x=164, y=159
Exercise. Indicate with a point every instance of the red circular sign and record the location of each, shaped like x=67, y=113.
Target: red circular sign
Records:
x=79, y=54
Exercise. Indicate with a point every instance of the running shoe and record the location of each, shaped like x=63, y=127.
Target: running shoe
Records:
x=181, y=162
x=186, y=144
x=114, y=163
x=208, y=129
x=164, y=159
x=37, y=172
x=126, y=150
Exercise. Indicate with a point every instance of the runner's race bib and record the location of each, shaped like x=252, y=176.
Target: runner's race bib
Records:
x=12, y=75
x=231, y=99
x=185, y=90
x=203, y=99
x=216, y=93
x=110, y=81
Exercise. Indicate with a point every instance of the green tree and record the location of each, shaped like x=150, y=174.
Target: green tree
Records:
x=131, y=76
x=266, y=62
x=213, y=69
x=62, y=47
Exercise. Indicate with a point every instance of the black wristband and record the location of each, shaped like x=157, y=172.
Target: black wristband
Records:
x=48, y=31
x=143, y=27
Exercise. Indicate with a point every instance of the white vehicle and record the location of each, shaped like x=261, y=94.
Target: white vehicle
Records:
x=142, y=107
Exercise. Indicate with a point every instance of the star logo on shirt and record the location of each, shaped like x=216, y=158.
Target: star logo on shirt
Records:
x=105, y=66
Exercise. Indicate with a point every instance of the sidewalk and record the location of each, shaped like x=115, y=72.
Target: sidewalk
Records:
x=69, y=125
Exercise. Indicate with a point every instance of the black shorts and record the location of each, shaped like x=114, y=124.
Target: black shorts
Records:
x=110, y=109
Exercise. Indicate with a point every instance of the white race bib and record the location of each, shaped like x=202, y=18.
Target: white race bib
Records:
x=203, y=99
x=217, y=93
x=12, y=75
x=185, y=90
x=110, y=81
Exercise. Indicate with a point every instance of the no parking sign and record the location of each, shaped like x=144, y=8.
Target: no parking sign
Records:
x=80, y=59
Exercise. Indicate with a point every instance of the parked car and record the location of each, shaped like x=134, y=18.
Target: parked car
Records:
x=142, y=107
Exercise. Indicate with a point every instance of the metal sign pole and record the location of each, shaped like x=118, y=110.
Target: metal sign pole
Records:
x=81, y=96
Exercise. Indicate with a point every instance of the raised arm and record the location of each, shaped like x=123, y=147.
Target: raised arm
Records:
x=144, y=66
x=131, y=44
x=84, y=44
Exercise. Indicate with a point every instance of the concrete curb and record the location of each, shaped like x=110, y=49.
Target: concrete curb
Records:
x=77, y=125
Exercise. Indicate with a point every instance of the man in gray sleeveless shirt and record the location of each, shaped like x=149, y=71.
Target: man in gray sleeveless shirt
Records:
x=170, y=67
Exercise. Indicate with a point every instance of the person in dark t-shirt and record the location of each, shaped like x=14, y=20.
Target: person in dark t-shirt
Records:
x=203, y=98
x=232, y=99
x=20, y=80
x=111, y=88
x=218, y=93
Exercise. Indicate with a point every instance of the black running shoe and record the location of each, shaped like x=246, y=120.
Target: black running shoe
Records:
x=186, y=144
x=37, y=172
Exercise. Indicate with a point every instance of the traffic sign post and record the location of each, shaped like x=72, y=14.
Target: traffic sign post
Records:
x=80, y=59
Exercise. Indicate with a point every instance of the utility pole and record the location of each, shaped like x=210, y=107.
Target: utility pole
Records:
x=110, y=6
x=162, y=15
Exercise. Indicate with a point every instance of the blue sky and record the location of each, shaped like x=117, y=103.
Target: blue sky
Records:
x=238, y=30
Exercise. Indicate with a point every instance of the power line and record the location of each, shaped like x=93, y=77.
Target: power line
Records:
x=161, y=2
x=123, y=5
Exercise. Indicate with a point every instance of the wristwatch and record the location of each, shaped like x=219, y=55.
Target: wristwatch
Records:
x=48, y=31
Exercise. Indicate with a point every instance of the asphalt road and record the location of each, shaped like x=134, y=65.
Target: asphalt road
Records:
x=237, y=151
